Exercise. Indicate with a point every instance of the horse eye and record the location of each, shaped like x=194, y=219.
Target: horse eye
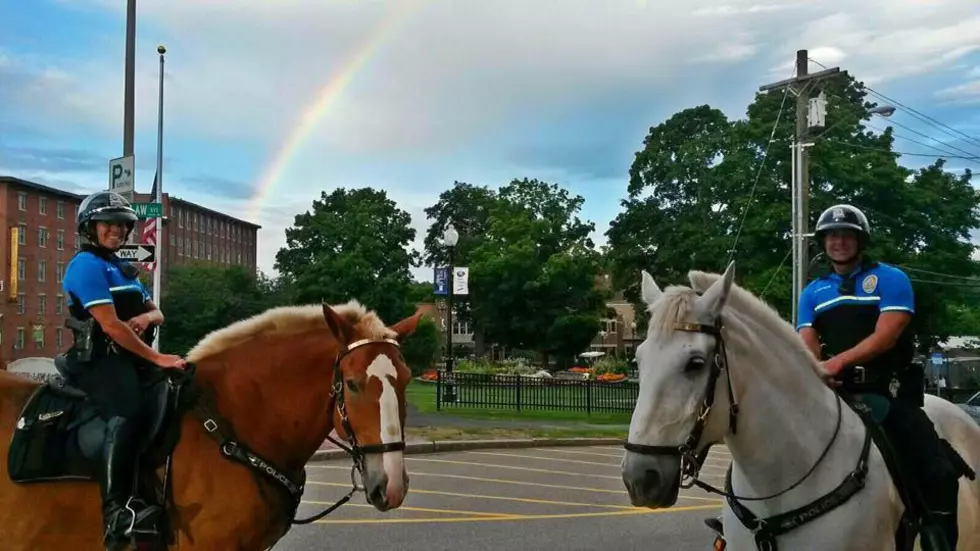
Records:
x=351, y=385
x=694, y=364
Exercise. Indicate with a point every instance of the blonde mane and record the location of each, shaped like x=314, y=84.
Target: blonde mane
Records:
x=677, y=302
x=289, y=320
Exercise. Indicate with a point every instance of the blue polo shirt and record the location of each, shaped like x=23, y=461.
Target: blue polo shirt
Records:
x=844, y=310
x=91, y=280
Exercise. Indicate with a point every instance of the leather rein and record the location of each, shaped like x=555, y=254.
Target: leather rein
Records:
x=767, y=529
x=219, y=430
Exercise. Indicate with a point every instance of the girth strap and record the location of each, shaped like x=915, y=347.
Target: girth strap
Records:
x=766, y=530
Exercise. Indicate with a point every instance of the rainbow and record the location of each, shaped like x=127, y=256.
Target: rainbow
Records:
x=326, y=97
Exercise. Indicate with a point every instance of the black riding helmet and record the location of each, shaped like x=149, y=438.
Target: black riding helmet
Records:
x=103, y=206
x=843, y=217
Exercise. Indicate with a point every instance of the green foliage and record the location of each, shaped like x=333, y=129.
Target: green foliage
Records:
x=610, y=365
x=202, y=298
x=532, y=264
x=510, y=366
x=692, y=184
x=354, y=244
x=421, y=347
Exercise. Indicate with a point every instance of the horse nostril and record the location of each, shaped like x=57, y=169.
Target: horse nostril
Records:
x=377, y=494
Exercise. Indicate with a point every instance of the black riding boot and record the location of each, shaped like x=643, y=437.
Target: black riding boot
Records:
x=125, y=515
x=941, y=498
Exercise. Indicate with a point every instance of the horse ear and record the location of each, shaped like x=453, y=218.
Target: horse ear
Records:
x=714, y=299
x=649, y=290
x=337, y=324
x=407, y=326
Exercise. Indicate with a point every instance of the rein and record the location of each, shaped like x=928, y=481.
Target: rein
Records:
x=767, y=529
x=220, y=431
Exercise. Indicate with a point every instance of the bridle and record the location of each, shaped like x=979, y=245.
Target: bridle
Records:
x=691, y=459
x=218, y=429
x=767, y=529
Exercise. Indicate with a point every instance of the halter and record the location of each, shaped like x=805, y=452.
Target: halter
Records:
x=219, y=430
x=766, y=529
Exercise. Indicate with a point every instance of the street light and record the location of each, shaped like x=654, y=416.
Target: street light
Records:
x=883, y=110
x=450, y=237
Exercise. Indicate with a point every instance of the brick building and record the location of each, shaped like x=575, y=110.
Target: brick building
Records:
x=38, y=224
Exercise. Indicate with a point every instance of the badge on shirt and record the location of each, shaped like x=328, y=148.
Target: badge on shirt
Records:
x=870, y=283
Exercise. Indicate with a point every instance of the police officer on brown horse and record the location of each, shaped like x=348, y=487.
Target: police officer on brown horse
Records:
x=114, y=322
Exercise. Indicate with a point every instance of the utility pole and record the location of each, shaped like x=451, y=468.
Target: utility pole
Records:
x=801, y=85
x=129, y=101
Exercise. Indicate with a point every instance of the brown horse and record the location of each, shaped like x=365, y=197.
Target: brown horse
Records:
x=267, y=393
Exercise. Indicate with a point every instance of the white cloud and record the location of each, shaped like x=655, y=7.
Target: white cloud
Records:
x=968, y=93
x=430, y=78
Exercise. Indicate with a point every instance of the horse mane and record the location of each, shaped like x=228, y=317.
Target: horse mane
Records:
x=677, y=301
x=289, y=320
x=756, y=309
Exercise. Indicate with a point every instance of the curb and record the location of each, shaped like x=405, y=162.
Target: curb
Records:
x=437, y=446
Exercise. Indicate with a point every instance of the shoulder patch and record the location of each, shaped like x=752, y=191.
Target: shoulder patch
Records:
x=870, y=283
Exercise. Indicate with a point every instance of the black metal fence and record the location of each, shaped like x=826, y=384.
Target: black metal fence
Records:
x=478, y=390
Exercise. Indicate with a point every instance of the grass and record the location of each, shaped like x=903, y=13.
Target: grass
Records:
x=490, y=433
x=423, y=397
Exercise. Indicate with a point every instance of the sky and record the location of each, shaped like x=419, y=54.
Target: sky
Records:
x=269, y=103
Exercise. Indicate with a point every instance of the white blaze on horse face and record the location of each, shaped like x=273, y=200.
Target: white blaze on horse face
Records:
x=391, y=429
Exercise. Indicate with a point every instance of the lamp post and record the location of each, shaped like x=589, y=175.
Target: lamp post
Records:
x=450, y=237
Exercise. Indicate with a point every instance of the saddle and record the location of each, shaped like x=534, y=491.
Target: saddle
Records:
x=59, y=435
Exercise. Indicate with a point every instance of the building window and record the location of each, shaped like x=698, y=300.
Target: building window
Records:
x=61, y=240
x=59, y=338
x=42, y=205
x=22, y=234
x=21, y=303
x=180, y=218
x=60, y=270
x=42, y=304
x=61, y=210
x=76, y=242
x=21, y=269
x=19, y=342
x=59, y=306
x=38, y=337
x=22, y=201
x=42, y=266
x=42, y=237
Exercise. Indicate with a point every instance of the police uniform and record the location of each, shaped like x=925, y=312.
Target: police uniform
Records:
x=110, y=375
x=844, y=311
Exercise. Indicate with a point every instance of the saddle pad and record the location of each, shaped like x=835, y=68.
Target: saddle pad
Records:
x=43, y=446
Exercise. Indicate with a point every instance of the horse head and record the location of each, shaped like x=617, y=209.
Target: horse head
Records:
x=680, y=363
x=370, y=378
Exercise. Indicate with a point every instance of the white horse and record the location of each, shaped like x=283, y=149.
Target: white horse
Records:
x=789, y=432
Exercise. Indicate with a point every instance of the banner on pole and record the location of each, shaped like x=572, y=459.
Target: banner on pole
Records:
x=461, y=280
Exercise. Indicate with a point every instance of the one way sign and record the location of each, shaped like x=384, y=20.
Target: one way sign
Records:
x=137, y=253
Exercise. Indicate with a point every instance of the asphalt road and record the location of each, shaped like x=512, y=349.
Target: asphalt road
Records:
x=568, y=498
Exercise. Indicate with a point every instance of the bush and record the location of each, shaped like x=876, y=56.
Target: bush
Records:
x=421, y=347
x=610, y=365
x=510, y=366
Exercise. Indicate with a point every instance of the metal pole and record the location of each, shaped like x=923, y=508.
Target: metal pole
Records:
x=450, y=387
x=129, y=101
x=158, y=239
x=803, y=191
x=794, y=230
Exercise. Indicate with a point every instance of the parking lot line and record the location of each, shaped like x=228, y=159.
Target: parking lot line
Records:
x=501, y=498
x=540, y=458
x=515, y=482
x=418, y=509
x=520, y=517
x=512, y=467
x=577, y=452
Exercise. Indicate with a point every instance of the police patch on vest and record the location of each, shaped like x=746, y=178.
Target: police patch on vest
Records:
x=870, y=283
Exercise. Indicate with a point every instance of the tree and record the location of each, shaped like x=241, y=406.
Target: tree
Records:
x=354, y=244
x=697, y=185
x=421, y=347
x=201, y=298
x=534, y=266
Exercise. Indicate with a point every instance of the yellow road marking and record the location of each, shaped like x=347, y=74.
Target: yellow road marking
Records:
x=561, y=459
x=512, y=467
x=419, y=509
x=502, y=498
x=521, y=517
x=578, y=452
x=515, y=482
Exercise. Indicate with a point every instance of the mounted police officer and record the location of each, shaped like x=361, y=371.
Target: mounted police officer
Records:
x=114, y=321
x=856, y=319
